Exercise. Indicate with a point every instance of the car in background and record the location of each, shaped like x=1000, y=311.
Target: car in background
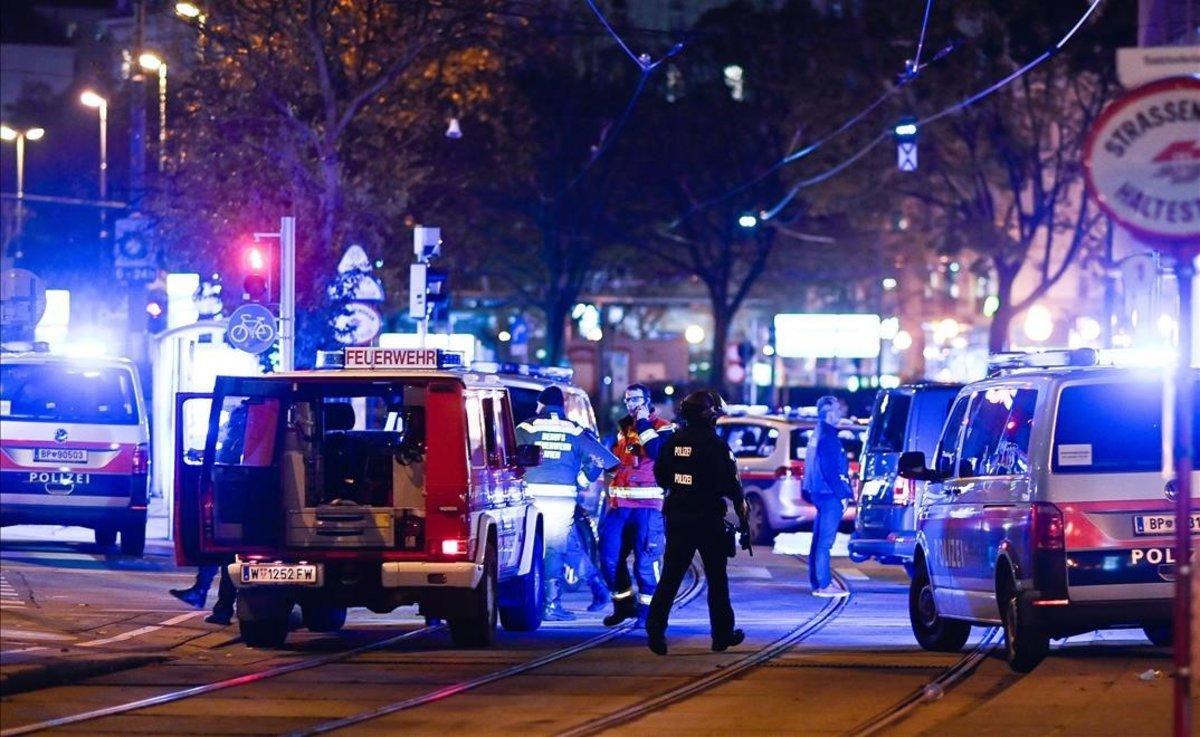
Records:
x=905, y=418
x=1046, y=511
x=770, y=450
x=74, y=446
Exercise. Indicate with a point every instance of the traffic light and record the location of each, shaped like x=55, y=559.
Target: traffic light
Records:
x=437, y=294
x=255, y=286
x=156, y=311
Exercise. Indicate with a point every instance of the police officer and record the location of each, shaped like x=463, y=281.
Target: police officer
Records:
x=698, y=472
x=633, y=521
x=568, y=452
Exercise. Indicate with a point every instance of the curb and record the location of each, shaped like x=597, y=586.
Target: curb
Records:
x=64, y=672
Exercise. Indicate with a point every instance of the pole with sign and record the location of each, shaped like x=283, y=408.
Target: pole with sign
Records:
x=1142, y=162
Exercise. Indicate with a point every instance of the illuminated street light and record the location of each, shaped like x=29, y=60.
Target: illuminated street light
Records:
x=19, y=137
x=91, y=99
x=747, y=221
x=154, y=63
x=694, y=334
x=889, y=284
x=1039, y=324
x=187, y=10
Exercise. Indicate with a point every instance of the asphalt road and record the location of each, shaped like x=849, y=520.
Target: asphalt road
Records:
x=82, y=629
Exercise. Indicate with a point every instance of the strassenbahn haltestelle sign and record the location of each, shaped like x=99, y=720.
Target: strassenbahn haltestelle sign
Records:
x=1142, y=159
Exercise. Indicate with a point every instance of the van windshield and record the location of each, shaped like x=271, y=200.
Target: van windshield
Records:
x=53, y=392
x=889, y=422
x=1110, y=428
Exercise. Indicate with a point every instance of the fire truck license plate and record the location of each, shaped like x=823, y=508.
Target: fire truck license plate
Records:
x=302, y=575
x=60, y=455
x=1161, y=524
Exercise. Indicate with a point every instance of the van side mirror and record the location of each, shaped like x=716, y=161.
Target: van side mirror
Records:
x=911, y=465
x=529, y=455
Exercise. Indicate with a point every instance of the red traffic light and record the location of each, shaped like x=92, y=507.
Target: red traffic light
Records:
x=256, y=260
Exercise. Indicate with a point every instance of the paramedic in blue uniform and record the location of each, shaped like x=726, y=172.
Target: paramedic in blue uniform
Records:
x=568, y=451
x=698, y=473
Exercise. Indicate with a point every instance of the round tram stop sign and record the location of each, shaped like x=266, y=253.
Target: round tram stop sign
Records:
x=1142, y=162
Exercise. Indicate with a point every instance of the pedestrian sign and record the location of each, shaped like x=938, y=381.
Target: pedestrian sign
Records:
x=251, y=328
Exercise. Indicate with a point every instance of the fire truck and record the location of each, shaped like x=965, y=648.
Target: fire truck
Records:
x=392, y=480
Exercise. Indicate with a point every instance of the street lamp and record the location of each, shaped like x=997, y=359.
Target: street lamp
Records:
x=91, y=99
x=154, y=63
x=188, y=10
x=19, y=137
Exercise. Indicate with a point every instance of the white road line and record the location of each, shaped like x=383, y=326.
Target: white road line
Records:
x=142, y=630
x=852, y=573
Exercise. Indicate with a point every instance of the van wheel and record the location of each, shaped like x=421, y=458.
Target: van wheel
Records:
x=478, y=627
x=527, y=596
x=760, y=523
x=106, y=537
x=1161, y=634
x=262, y=620
x=933, y=632
x=1026, y=642
x=133, y=538
x=323, y=618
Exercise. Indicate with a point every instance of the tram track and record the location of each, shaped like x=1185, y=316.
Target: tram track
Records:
x=700, y=684
x=694, y=589
x=932, y=690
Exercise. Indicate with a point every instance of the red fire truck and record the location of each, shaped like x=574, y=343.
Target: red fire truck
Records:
x=393, y=480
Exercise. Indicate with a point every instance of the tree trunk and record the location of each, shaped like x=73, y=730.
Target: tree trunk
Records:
x=1002, y=320
x=722, y=320
x=556, y=310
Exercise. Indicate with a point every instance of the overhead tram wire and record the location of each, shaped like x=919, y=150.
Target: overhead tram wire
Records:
x=916, y=62
x=950, y=110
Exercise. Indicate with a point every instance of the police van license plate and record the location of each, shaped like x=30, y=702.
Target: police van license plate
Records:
x=275, y=573
x=1161, y=524
x=60, y=455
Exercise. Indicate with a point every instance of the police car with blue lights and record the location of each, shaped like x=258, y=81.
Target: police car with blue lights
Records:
x=1046, y=510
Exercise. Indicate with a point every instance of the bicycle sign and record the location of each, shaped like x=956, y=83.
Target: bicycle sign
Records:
x=251, y=328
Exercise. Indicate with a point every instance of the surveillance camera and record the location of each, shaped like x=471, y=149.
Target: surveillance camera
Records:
x=427, y=242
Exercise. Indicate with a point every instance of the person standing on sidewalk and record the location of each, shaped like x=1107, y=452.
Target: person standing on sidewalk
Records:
x=826, y=484
x=698, y=472
x=569, y=451
x=633, y=521
x=197, y=593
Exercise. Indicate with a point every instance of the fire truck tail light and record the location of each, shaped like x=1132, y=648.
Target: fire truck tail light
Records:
x=1048, y=527
x=454, y=547
x=141, y=459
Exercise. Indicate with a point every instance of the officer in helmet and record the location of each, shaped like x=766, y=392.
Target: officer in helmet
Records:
x=569, y=451
x=698, y=473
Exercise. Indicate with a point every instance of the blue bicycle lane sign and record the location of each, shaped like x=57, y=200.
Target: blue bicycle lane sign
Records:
x=251, y=328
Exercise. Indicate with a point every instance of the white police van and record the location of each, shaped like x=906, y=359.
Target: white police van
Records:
x=1046, y=509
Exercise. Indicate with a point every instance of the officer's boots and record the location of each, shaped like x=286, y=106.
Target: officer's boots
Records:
x=623, y=608
x=193, y=596
x=553, y=610
x=600, y=595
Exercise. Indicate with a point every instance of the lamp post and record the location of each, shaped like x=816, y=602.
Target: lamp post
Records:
x=154, y=63
x=91, y=99
x=19, y=137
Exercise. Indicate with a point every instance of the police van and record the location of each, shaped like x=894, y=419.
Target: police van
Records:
x=1046, y=510
x=74, y=446
x=393, y=480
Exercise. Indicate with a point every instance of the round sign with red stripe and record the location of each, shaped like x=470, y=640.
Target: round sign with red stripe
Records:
x=1142, y=161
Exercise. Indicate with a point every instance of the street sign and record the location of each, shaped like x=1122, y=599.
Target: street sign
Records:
x=358, y=325
x=22, y=299
x=1142, y=161
x=906, y=156
x=251, y=328
x=135, y=259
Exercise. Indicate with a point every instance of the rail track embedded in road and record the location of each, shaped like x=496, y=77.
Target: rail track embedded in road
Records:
x=208, y=688
x=932, y=690
x=683, y=599
x=799, y=633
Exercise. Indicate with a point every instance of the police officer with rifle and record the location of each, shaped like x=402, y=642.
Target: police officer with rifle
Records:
x=697, y=472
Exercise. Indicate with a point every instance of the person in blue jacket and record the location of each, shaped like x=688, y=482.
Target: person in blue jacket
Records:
x=570, y=452
x=826, y=485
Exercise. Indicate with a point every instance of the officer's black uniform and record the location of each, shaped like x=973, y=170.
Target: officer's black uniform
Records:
x=698, y=473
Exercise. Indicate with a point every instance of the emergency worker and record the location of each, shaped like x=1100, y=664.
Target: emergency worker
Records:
x=633, y=521
x=698, y=473
x=197, y=593
x=569, y=451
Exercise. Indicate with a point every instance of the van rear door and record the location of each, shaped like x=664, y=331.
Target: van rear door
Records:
x=1106, y=477
x=192, y=412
